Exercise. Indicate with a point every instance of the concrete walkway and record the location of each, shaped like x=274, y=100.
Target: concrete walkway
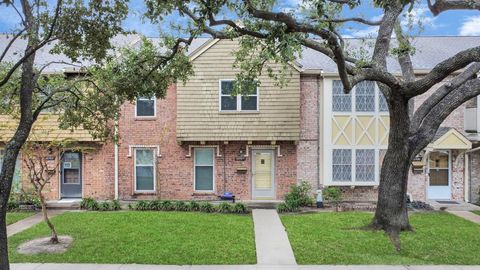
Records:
x=29, y=222
x=234, y=267
x=271, y=240
x=466, y=215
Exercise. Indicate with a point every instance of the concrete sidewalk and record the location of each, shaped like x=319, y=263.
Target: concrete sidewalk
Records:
x=271, y=240
x=234, y=267
x=466, y=215
x=29, y=222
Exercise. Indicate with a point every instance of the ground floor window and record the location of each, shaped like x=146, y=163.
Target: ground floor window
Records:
x=203, y=163
x=356, y=165
x=144, y=170
x=17, y=176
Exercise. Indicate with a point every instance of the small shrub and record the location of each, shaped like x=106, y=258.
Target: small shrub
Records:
x=115, y=205
x=284, y=208
x=104, y=206
x=193, y=206
x=298, y=196
x=207, y=207
x=180, y=206
x=240, y=208
x=167, y=206
x=224, y=207
x=142, y=206
x=155, y=205
x=89, y=204
x=332, y=195
x=13, y=203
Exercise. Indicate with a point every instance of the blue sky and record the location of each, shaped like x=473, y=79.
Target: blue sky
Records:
x=465, y=23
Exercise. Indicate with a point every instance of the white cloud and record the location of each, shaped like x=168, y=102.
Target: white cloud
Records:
x=470, y=26
x=419, y=17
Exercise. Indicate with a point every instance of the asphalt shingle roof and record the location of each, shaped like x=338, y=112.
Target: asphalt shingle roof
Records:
x=429, y=51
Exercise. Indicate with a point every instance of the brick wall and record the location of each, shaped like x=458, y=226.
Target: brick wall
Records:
x=475, y=177
x=174, y=170
x=307, y=148
x=97, y=172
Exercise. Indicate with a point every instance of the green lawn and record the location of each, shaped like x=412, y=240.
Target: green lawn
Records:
x=476, y=212
x=331, y=238
x=13, y=217
x=147, y=238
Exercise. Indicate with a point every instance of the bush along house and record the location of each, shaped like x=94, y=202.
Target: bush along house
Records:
x=200, y=141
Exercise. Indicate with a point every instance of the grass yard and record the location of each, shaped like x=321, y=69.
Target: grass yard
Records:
x=476, y=212
x=147, y=238
x=331, y=238
x=13, y=217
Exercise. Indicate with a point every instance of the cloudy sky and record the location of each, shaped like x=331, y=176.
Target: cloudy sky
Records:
x=465, y=23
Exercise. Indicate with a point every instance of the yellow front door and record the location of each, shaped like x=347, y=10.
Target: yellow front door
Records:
x=263, y=174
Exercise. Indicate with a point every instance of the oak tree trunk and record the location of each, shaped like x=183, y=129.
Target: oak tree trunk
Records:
x=13, y=148
x=391, y=214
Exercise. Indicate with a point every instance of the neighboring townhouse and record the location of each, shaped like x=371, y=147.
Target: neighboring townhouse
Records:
x=200, y=142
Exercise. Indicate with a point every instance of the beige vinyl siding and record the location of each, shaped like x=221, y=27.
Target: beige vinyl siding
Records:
x=45, y=129
x=198, y=115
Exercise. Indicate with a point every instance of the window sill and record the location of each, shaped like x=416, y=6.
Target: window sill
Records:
x=144, y=193
x=145, y=118
x=203, y=193
x=239, y=112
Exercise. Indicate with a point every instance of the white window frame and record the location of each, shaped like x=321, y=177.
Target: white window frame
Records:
x=239, y=98
x=195, y=168
x=327, y=137
x=449, y=167
x=154, y=170
x=154, y=107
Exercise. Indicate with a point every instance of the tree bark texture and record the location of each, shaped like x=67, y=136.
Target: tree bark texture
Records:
x=391, y=214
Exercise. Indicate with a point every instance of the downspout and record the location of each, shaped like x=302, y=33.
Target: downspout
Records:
x=319, y=111
x=116, y=139
x=224, y=170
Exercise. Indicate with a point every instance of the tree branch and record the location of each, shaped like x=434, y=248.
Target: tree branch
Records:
x=441, y=93
x=442, y=70
x=443, y=5
x=10, y=43
x=441, y=110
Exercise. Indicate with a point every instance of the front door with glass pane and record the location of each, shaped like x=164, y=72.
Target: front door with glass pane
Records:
x=263, y=174
x=71, y=175
x=439, y=175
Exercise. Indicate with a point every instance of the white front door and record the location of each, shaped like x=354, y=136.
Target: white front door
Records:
x=263, y=174
x=439, y=174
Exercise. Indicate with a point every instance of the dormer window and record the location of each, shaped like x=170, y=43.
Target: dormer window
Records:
x=232, y=103
x=145, y=107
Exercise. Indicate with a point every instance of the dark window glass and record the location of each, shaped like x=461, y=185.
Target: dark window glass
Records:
x=249, y=103
x=229, y=103
x=145, y=107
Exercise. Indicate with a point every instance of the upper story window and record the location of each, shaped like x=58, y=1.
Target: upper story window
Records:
x=145, y=107
x=228, y=102
x=362, y=98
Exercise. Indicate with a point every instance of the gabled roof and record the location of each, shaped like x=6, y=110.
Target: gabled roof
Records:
x=194, y=54
x=449, y=138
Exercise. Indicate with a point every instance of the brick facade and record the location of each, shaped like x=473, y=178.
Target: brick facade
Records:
x=308, y=146
x=174, y=169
